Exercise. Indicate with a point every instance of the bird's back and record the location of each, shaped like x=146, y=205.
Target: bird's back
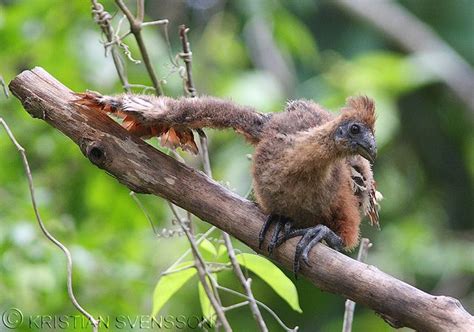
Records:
x=299, y=115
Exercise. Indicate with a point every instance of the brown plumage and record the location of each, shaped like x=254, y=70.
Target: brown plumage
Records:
x=311, y=170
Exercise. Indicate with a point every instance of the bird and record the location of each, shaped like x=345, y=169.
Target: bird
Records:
x=312, y=169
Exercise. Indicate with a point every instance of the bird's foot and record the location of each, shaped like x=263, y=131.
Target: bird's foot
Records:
x=280, y=222
x=310, y=237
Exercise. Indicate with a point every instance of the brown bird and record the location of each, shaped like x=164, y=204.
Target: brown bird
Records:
x=311, y=170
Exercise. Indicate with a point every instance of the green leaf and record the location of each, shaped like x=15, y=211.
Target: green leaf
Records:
x=273, y=276
x=222, y=254
x=169, y=284
x=207, y=309
x=207, y=249
x=222, y=251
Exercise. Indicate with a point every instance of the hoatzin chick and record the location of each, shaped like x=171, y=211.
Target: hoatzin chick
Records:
x=311, y=170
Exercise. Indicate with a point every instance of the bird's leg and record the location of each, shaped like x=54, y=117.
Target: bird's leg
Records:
x=290, y=233
x=287, y=230
x=280, y=222
x=310, y=237
x=331, y=239
x=264, y=229
x=283, y=222
x=276, y=232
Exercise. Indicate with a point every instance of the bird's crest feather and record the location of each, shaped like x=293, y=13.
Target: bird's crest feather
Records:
x=361, y=108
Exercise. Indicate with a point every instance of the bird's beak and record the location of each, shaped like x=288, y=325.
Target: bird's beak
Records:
x=367, y=148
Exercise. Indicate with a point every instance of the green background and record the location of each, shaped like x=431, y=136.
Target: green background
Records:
x=425, y=167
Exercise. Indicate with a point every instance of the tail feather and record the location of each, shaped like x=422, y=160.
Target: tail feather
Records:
x=171, y=137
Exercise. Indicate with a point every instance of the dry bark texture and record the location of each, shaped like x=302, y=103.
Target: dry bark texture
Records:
x=144, y=169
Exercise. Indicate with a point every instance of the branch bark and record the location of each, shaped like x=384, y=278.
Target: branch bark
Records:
x=350, y=305
x=144, y=169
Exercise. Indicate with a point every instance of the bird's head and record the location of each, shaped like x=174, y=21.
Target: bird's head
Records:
x=354, y=133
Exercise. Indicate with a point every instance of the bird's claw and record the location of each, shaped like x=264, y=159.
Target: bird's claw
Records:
x=280, y=222
x=311, y=237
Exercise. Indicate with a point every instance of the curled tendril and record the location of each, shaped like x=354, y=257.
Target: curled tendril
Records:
x=101, y=16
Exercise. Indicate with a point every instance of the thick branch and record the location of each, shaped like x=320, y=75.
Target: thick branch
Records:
x=144, y=169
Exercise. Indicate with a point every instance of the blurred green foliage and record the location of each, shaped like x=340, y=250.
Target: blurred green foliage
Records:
x=425, y=167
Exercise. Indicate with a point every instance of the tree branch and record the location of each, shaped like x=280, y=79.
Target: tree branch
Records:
x=350, y=305
x=144, y=169
x=136, y=29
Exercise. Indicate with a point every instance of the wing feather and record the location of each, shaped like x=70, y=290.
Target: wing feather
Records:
x=139, y=115
x=364, y=187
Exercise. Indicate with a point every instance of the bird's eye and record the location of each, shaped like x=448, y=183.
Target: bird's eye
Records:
x=355, y=129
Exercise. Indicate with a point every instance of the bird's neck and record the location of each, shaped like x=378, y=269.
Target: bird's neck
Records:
x=315, y=150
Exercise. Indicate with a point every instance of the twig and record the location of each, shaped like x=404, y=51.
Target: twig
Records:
x=245, y=284
x=26, y=166
x=190, y=89
x=236, y=306
x=177, y=270
x=199, y=240
x=158, y=22
x=147, y=215
x=191, y=92
x=190, y=236
x=198, y=256
x=364, y=247
x=417, y=37
x=4, y=86
x=136, y=25
x=203, y=273
x=187, y=57
x=140, y=10
x=206, y=163
x=263, y=305
x=103, y=18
